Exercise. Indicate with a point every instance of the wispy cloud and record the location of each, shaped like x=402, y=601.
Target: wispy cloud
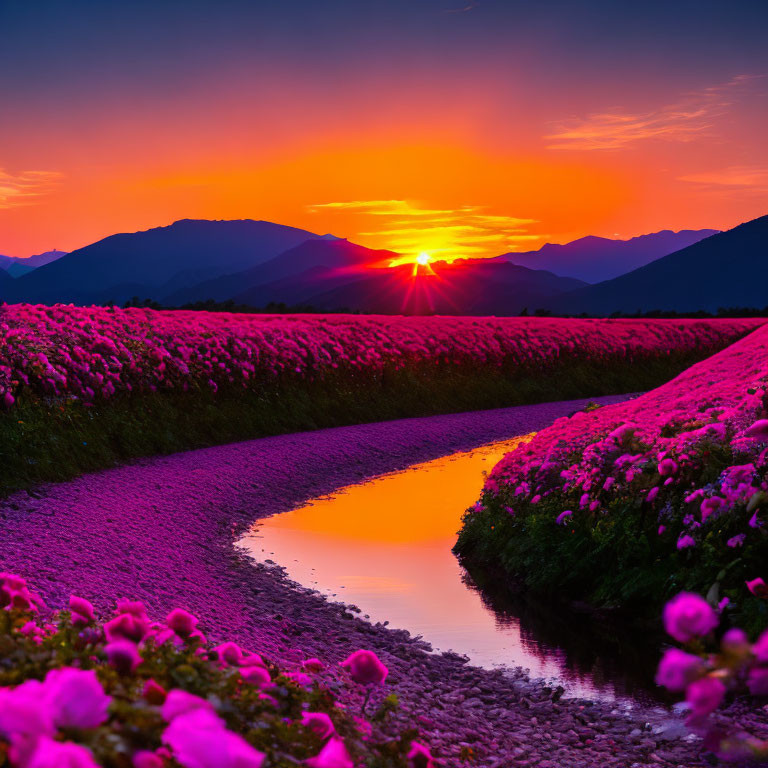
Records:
x=26, y=188
x=465, y=8
x=690, y=117
x=744, y=176
x=444, y=233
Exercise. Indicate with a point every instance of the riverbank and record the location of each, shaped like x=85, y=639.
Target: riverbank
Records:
x=162, y=530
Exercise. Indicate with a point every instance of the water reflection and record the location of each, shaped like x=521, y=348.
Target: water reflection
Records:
x=385, y=546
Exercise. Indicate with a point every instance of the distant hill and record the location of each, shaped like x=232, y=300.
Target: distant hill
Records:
x=594, y=259
x=729, y=269
x=329, y=256
x=17, y=266
x=156, y=261
x=465, y=287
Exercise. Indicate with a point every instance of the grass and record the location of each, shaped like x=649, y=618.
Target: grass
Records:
x=57, y=440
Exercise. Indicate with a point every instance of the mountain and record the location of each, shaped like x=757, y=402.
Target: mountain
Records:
x=464, y=287
x=594, y=259
x=147, y=263
x=729, y=269
x=332, y=255
x=16, y=266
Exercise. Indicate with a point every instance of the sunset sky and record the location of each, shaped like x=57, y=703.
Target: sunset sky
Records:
x=456, y=127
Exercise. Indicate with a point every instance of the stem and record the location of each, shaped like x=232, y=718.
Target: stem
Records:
x=365, y=702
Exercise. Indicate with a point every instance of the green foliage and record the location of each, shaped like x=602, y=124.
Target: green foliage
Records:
x=54, y=440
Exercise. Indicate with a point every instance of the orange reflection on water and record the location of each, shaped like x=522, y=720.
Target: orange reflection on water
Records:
x=385, y=546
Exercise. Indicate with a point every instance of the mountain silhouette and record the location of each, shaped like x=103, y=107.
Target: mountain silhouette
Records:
x=145, y=263
x=594, y=259
x=17, y=266
x=333, y=255
x=729, y=269
x=464, y=287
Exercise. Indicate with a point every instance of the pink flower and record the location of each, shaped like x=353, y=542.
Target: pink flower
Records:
x=300, y=678
x=758, y=431
x=178, y=702
x=757, y=681
x=760, y=648
x=687, y=616
x=757, y=587
x=126, y=626
x=667, y=467
x=711, y=506
x=57, y=754
x=146, y=759
x=256, y=675
x=198, y=739
x=366, y=668
x=735, y=642
x=81, y=610
x=123, y=655
x=153, y=692
x=76, y=698
x=737, y=540
x=686, y=541
x=24, y=712
x=313, y=665
x=661, y=530
x=181, y=622
x=319, y=723
x=333, y=755
x=419, y=756
x=704, y=695
x=652, y=494
x=229, y=653
x=678, y=669
x=563, y=517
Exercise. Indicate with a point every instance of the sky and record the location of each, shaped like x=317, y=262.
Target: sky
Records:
x=453, y=127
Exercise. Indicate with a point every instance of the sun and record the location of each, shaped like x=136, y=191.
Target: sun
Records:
x=423, y=259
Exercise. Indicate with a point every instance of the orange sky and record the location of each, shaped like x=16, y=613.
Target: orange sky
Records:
x=473, y=153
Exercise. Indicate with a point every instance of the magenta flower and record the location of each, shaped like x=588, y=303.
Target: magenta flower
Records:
x=24, y=712
x=563, y=517
x=365, y=668
x=760, y=648
x=667, y=467
x=181, y=622
x=319, y=723
x=178, y=702
x=229, y=653
x=757, y=587
x=198, y=739
x=688, y=616
x=154, y=693
x=333, y=755
x=57, y=754
x=678, y=669
x=735, y=642
x=126, y=626
x=652, y=494
x=686, y=541
x=758, y=431
x=757, y=681
x=313, y=665
x=81, y=610
x=256, y=675
x=711, y=506
x=76, y=698
x=123, y=655
x=704, y=695
x=146, y=759
x=737, y=540
x=419, y=756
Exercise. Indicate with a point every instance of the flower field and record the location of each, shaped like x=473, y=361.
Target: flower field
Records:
x=134, y=693
x=84, y=387
x=668, y=491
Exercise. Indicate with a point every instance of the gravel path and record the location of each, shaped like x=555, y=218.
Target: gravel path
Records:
x=161, y=531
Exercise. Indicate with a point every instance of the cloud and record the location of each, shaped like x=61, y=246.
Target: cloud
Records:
x=689, y=118
x=26, y=188
x=732, y=176
x=444, y=233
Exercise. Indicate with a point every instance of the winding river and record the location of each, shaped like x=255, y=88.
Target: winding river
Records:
x=384, y=546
